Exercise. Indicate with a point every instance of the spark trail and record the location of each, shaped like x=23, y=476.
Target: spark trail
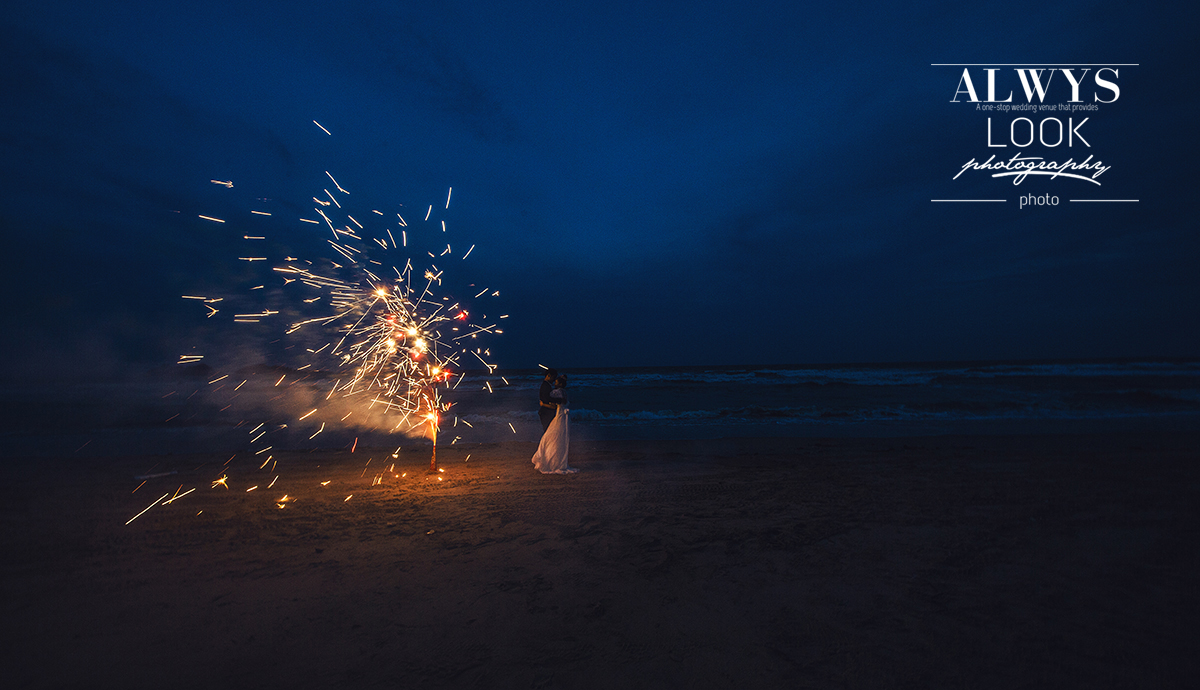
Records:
x=393, y=343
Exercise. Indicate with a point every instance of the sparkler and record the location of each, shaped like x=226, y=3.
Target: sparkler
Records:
x=394, y=345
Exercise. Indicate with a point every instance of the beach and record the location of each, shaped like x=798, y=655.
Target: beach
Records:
x=955, y=561
x=852, y=401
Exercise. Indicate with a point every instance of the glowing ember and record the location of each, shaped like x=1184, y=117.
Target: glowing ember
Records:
x=393, y=344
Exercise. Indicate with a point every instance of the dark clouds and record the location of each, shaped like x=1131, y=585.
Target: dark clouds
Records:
x=648, y=183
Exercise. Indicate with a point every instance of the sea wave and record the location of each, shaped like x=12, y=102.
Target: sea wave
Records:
x=848, y=375
x=965, y=411
x=1083, y=369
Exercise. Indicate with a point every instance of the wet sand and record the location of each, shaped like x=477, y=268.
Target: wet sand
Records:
x=1016, y=561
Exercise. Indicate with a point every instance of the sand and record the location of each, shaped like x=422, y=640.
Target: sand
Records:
x=1019, y=561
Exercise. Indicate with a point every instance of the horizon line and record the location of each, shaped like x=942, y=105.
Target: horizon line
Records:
x=1029, y=360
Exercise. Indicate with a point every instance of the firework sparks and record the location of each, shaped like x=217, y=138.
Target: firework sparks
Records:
x=149, y=507
x=392, y=348
x=395, y=346
x=335, y=184
x=178, y=496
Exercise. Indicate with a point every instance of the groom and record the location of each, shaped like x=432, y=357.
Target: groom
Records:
x=546, y=405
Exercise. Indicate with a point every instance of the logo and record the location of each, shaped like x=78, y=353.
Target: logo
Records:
x=1036, y=121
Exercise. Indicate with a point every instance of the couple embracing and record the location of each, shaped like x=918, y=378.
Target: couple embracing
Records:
x=553, y=410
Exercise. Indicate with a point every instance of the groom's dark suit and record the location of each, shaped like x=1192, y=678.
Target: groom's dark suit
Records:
x=546, y=405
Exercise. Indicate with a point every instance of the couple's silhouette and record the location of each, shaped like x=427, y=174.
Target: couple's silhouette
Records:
x=554, y=411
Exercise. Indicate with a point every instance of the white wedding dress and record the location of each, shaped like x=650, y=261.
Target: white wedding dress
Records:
x=551, y=455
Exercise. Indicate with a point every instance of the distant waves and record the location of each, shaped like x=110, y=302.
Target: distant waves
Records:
x=809, y=399
x=178, y=411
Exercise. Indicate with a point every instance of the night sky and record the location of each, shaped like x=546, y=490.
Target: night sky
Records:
x=646, y=183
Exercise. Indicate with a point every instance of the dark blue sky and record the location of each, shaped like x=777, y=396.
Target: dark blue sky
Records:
x=646, y=183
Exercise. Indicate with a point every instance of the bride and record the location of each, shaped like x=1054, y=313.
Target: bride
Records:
x=551, y=455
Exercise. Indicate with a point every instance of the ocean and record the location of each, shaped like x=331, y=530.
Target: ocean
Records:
x=182, y=410
x=871, y=399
